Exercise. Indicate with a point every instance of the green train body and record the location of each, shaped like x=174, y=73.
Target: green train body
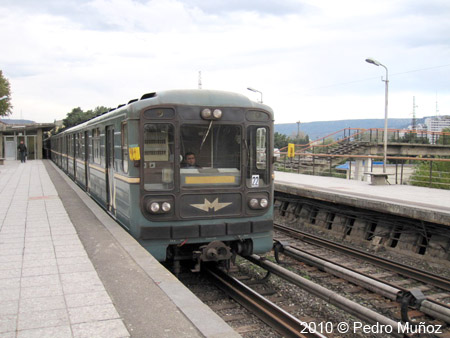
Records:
x=131, y=160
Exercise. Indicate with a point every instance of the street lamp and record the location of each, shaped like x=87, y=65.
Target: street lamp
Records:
x=256, y=91
x=298, y=130
x=3, y=97
x=377, y=63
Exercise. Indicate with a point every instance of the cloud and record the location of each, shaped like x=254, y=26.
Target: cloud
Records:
x=305, y=56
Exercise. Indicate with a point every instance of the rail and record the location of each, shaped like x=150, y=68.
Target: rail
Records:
x=402, y=269
x=329, y=296
x=280, y=320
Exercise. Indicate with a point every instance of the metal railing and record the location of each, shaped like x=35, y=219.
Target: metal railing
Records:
x=327, y=157
x=426, y=172
x=372, y=136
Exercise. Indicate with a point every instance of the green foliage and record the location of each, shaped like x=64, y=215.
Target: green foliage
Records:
x=5, y=90
x=440, y=175
x=413, y=138
x=444, y=139
x=282, y=140
x=77, y=116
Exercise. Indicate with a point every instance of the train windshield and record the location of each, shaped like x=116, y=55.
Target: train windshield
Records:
x=211, y=155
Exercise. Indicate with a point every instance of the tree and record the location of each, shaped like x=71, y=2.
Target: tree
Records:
x=5, y=104
x=282, y=140
x=445, y=137
x=77, y=115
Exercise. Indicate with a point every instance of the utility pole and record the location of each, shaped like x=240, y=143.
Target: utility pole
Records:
x=414, y=121
x=199, y=79
x=298, y=130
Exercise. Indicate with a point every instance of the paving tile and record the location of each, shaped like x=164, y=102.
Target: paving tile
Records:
x=9, y=294
x=10, y=265
x=71, y=288
x=72, y=260
x=39, y=256
x=8, y=323
x=9, y=307
x=87, y=299
x=11, y=258
x=81, y=267
x=39, y=263
x=42, y=319
x=73, y=253
x=10, y=273
x=9, y=283
x=40, y=271
x=48, y=332
x=108, y=328
x=41, y=291
x=92, y=313
x=36, y=281
x=42, y=304
x=90, y=277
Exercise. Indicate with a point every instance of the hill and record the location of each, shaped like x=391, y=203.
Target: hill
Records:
x=317, y=130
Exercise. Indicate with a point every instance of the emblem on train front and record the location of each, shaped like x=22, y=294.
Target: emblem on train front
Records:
x=216, y=205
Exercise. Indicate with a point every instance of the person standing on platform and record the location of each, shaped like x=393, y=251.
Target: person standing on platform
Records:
x=23, y=152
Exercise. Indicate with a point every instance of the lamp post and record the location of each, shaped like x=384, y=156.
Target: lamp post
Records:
x=298, y=130
x=256, y=91
x=377, y=63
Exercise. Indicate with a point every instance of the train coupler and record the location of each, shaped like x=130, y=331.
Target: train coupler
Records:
x=212, y=252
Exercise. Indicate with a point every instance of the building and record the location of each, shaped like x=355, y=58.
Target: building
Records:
x=14, y=131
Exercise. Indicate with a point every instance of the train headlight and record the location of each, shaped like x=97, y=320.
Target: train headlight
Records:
x=206, y=113
x=166, y=207
x=154, y=207
x=263, y=203
x=217, y=113
x=253, y=203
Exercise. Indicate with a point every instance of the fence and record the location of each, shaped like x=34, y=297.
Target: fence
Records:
x=427, y=172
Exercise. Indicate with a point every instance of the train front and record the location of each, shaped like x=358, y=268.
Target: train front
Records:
x=206, y=176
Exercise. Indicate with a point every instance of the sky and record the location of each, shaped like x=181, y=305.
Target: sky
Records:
x=306, y=57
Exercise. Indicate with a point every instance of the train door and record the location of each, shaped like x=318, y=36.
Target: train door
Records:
x=66, y=151
x=86, y=159
x=75, y=155
x=110, y=186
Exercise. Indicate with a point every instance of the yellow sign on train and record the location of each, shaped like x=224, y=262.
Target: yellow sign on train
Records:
x=291, y=150
x=135, y=154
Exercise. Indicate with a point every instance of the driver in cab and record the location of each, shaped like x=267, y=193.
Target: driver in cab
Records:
x=190, y=162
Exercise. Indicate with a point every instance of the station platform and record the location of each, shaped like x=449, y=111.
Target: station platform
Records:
x=426, y=204
x=68, y=270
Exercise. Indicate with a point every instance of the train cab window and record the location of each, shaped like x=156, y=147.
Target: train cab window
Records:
x=158, y=156
x=217, y=151
x=258, y=168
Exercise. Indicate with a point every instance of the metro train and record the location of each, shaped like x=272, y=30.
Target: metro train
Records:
x=132, y=161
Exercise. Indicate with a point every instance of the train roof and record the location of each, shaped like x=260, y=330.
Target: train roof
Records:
x=197, y=97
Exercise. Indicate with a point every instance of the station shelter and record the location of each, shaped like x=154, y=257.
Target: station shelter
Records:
x=31, y=133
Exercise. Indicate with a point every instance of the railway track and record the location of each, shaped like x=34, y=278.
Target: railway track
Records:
x=290, y=313
x=410, y=294
x=402, y=269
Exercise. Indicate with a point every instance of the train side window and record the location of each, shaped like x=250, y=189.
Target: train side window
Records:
x=96, y=145
x=158, y=156
x=124, y=134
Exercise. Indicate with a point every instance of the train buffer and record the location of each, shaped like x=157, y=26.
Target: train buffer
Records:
x=378, y=178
